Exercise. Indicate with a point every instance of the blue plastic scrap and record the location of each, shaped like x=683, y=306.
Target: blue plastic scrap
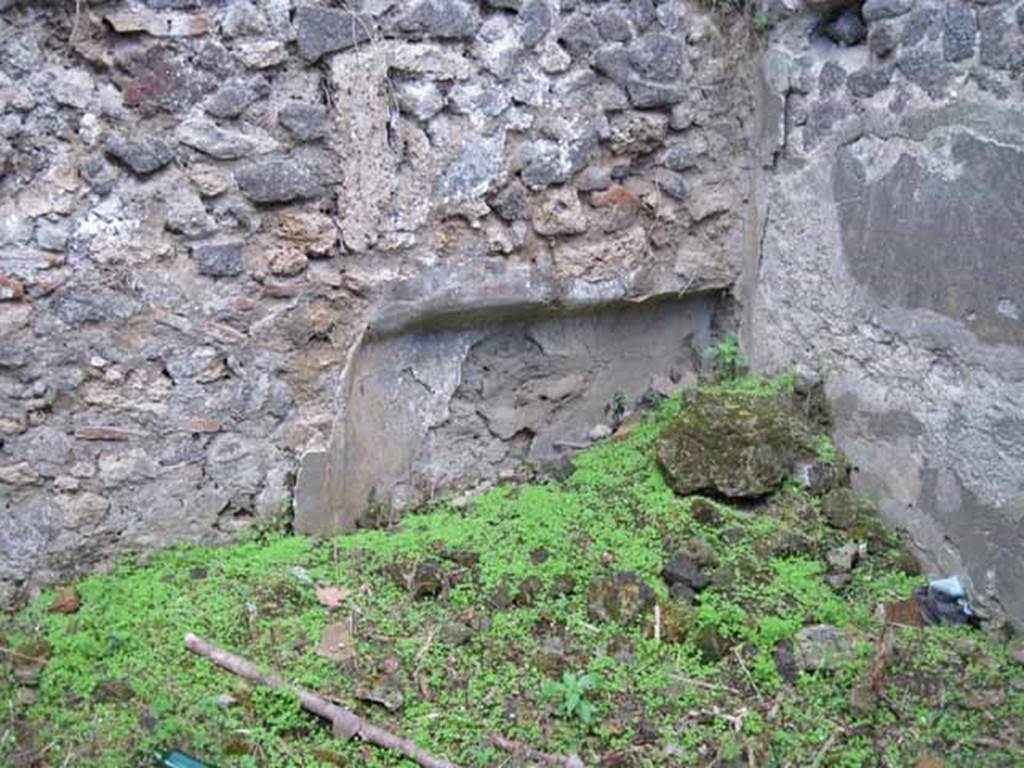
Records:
x=176, y=759
x=944, y=601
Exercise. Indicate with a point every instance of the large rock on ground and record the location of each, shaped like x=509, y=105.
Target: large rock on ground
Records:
x=734, y=445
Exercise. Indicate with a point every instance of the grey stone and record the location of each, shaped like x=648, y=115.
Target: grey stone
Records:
x=671, y=183
x=186, y=213
x=241, y=19
x=420, y=98
x=613, y=23
x=926, y=69
x=958, y=32
x=473, y=171
x=641, y=13
x=445, y=19
x=579, y=36
x=612, y=61
x=681, y=569
x=100, y=175
x=594, y=178
x=831, y=78
x=668, y=17
x=657, y=56
x=312, y=512
x=28, y=526
x=325, y=30
x=306, y=122
x=262, y=54
x=232, y=98
x=46, y=449
x=280, y=179
x=679, y=157
x=822, y=647
x=647, y=95
x=866, y=82
x=223, y=259
x=222, y=143
x=842, y=559
x=52, y=235
x=847, y=29
x=882, y=40
x=85, y=510
x=536, y=17
x=72, y=87
x=485, y=99
x=1000, y=46
x=875, y=10
x=511, y=203
x=916, y=27
x=132, y=465
x=89, y=303
x=144, y=155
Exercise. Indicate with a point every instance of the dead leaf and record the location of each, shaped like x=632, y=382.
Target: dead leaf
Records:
x=926, y=761
x=336, y=643
x=333, y=597
x=384, y=690
x=66, y=601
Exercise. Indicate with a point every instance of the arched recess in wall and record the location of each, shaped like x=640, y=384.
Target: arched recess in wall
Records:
x=450, y=385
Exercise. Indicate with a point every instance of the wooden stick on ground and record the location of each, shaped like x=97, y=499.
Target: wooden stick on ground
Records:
x=525, y=750
x=344, y=724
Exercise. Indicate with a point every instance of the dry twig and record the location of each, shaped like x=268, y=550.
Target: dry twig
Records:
x=750, y=678
x=525, y=750
x=344, y=724
x=829, y=743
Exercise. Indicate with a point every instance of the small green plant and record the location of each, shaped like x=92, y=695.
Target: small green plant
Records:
x=727, y=357
x=616, y=409
x=571, y=695
x=279, y=710
x=825, y=448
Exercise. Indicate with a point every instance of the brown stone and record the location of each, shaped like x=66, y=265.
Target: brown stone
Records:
x=281, y=290
x=105, y=433
x=315, y=232
x=337, y=643
x=19, y=474
x=288, y=262
x=158, y=24
x=905, y=612
x=66, y=601
x=11, y=289
x=202, y=426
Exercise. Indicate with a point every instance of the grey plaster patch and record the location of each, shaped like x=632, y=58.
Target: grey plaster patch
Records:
x=919, y=239
x=433, y=409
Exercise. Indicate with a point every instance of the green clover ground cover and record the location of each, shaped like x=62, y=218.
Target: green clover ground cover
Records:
x=503, y=624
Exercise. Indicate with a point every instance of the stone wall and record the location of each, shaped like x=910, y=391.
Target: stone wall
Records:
x=213, y=213
x=892, y=220
x=383, y=249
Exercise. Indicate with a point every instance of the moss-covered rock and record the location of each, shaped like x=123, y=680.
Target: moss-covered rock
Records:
x=735, y=445
x=622, y=597
x=843, y=508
